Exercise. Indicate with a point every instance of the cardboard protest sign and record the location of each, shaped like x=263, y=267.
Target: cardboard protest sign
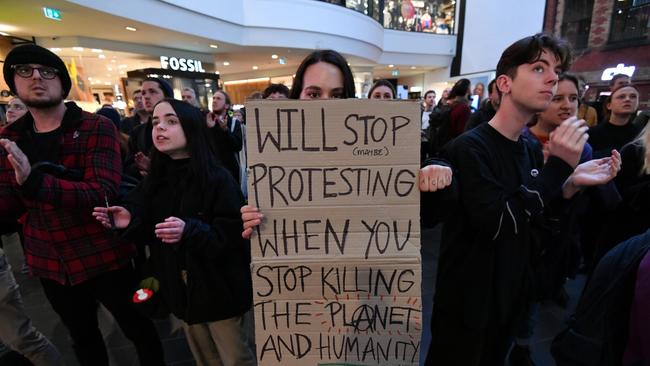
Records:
x=336, y=262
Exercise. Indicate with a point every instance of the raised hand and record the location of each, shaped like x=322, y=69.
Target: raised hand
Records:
x=592, y=173
x=121, y=216
x=252, y=217
x=171, y=230
x=143, y=162
x=598, y=171
x=568, y=140
x=18, y=160
x=434, y=177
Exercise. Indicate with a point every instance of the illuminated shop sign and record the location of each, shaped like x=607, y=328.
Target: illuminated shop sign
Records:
x=619, y=69
x=181, y=64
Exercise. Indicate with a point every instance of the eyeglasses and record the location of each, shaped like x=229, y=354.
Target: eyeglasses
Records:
x=26, y=71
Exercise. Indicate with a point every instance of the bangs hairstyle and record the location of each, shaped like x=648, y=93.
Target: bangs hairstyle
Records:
x=203, y=160
x=331, y=57
x=528, y=50
x=382, y=82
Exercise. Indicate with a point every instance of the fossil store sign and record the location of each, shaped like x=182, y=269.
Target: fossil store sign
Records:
x=181, y=64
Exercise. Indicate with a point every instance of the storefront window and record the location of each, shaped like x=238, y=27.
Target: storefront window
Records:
x=430, y=16
x=630, y=21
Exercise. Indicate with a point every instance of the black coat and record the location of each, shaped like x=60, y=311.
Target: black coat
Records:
x=228, y=144
x=206, y=276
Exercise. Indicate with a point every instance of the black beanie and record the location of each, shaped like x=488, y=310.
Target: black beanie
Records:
x=33, y=54
x=167, y=90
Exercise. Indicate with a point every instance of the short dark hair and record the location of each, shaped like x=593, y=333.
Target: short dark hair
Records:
x=382, y=82
x=529, y=49
x=429, y=92
x=616, y=77
x=164, y=86
x=461, y=88
x=491, y=85
x=275, y=88
x=331, y=57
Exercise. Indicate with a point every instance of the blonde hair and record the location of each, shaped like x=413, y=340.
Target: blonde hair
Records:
x=643, y=140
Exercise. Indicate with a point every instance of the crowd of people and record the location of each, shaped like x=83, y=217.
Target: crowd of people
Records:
x=527, y=194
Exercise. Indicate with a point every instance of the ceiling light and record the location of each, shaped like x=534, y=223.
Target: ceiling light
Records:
x=412, y=67
x=55, y=49
x=102, y=56
x=274, y=56
x=78, y=49
x=122, y=66
x=214, y=46
x=391, y=65
x=217, y=72
x=255, y=67
x=113, y=61
x=110, y=69
x=226, y=63
x=90, y=78
x=96, y=50
x=107, y=83
x=132, y=29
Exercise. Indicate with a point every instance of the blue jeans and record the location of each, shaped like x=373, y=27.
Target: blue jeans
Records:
x=16, y=329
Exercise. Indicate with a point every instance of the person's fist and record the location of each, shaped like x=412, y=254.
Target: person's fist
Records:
x=434, y=178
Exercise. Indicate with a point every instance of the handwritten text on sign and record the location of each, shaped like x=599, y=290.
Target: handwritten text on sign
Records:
x=336, y=262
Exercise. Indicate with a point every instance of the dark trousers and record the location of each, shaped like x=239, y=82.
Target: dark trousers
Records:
x=454, y=344
x=77, y=307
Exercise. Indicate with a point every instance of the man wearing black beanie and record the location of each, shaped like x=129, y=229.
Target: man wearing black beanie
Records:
x=56, y=163
x=137, y=162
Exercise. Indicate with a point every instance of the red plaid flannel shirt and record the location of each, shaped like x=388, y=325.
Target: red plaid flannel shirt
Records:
x=63, y=241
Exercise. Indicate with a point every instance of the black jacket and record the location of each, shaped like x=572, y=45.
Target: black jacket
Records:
x=228, y=144
x=206, y=276
x=482, y=115
x=139, y=141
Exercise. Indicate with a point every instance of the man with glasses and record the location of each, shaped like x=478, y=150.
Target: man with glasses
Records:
x=56, y=164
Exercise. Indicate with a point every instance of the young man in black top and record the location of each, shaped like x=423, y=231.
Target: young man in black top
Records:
x=485, y=274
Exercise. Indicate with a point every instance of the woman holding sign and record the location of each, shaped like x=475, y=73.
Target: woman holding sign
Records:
x=197, y=255
x=325, y=74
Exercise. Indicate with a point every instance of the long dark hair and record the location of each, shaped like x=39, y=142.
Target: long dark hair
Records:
x=331, y=57
x=203, y=160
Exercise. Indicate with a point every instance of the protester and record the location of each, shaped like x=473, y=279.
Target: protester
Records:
x=16, y=328
x=226, y=131
x=79, y=263
x=188, y=95
x=140, y=115
x=460, y=111
x=187, y=209
x=15, y=109
x=487, y=109
x=137, y=162
x=325, y=74
x=276, y=91
x=558, y=247
x=618, y=130
x=484, y=274
x=382, y=89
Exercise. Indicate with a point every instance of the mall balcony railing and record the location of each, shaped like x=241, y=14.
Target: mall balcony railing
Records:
x=427, y=16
